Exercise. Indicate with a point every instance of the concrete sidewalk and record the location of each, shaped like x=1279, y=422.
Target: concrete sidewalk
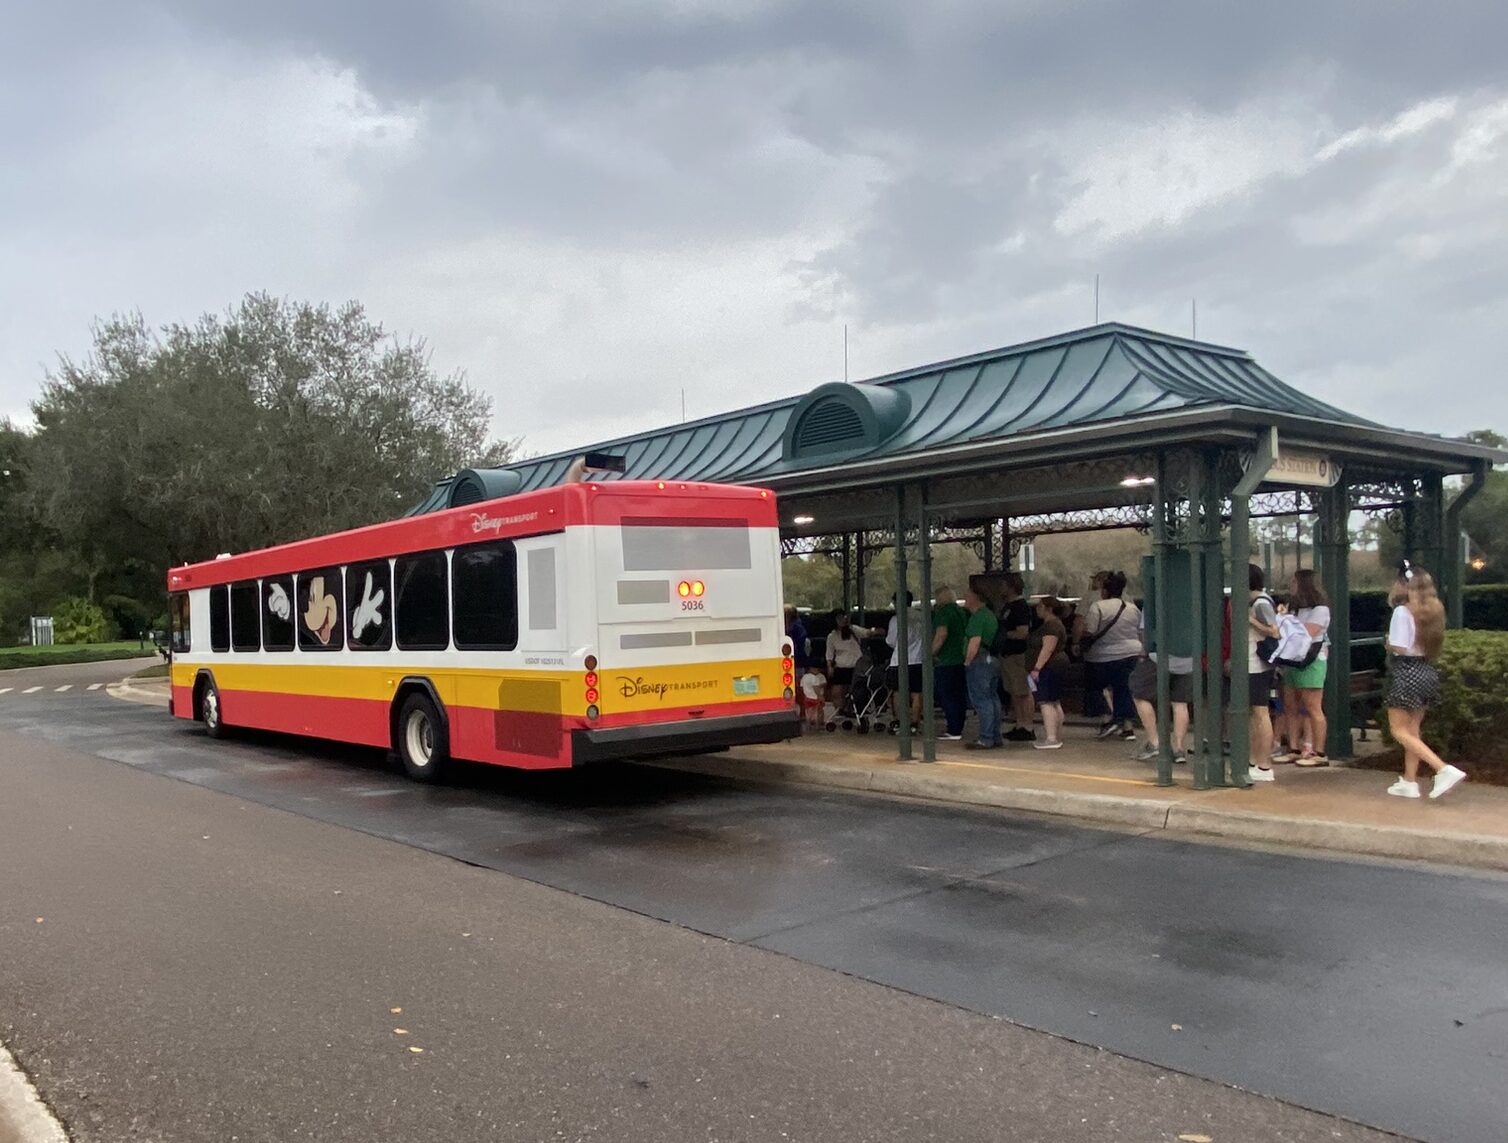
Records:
x=1334, y=808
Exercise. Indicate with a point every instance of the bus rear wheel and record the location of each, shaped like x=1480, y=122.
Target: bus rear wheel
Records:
x=422, y=744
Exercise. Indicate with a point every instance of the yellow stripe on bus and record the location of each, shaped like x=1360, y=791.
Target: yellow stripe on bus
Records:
x=620, y=690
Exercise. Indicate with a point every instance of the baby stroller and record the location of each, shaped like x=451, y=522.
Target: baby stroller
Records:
x=866, y=705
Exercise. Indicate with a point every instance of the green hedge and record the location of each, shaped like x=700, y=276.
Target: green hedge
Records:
x=1484, y=607
x=1471, y=722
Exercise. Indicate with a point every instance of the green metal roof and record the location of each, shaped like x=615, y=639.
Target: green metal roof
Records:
x=1107, y=373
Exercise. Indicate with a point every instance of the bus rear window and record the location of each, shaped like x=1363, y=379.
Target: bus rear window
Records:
x=178, y=614
x=653, y=543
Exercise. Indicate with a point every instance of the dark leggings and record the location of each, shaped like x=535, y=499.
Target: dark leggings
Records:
x=1116, y=675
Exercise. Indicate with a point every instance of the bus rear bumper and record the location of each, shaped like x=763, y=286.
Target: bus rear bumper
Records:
x=694, y=736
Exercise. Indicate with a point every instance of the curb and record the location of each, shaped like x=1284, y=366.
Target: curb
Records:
x=24, y=1118
x=1475, y=850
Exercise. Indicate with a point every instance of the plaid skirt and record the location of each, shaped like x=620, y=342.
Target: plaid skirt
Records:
x=1413, y=684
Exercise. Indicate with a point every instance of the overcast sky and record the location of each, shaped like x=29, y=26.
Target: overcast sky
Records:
x=591, y=207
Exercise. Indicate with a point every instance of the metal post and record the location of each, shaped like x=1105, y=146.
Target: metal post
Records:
x=858, y=578
x=1263, y=454
x=1431, y=518
x=902, y=674
x=1199, y=760
x=1214, y=623
x=1161, y=544
x=1333, y=542
x=924, y=557
x=989, y=545
x=848, y=573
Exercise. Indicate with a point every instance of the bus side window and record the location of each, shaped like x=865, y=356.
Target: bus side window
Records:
x=318, y=610
x=422, y=604
x=484, y=588
x=182, y=634
x=219, y=618
x=369, y=606
x=277, y=613
x=245, y=625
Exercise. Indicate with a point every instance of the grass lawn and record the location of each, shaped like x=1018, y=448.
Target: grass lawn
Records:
x=60, y=653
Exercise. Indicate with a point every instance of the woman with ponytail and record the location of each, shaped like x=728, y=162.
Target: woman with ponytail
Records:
x=1415, y=636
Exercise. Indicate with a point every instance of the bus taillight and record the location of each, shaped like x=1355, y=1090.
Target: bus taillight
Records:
x=590, y=663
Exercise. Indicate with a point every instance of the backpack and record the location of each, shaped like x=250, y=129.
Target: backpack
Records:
x=1295, y=647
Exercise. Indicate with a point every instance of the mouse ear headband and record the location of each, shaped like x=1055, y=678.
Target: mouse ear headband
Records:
x=1405, y=570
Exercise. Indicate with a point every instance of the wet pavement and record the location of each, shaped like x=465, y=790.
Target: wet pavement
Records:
x=1375, y=992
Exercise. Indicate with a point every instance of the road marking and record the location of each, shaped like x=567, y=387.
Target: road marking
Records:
x=64, y=687
x=31, y=690
x=6, y=690
x=95, y=686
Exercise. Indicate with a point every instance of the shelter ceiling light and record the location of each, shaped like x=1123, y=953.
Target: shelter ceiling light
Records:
x=800, y=520
x=1138, y=481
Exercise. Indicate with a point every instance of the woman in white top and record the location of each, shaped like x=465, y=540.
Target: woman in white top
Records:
x=1304, y=687
x=1108, y=635
x=1415, y=636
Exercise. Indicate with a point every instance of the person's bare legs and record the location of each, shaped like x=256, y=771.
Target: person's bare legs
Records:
x=1148, y=715
x=1404, y=726
x=1292, y=720
x=1180, y=726
x=1052, y=721
x=1261, y=736
x=1314, y=710
x=1025, y=708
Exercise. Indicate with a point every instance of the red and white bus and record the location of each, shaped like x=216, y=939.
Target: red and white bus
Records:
x=585, y=622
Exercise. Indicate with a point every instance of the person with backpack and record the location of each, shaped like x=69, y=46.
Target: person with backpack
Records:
x=1415, y=637
x=1261, y=645
x=1304, y=675
x=1010, y=649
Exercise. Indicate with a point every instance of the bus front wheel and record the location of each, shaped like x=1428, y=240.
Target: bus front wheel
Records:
x=422, y=744
x=210, y=710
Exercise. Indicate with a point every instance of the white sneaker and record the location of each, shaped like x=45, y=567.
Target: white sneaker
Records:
x=1402, y=789
x=945, y=737
x=1446, y=780
x=1047, y=744
x=1257, y=774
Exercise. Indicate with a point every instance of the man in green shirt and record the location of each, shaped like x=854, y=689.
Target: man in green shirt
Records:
x=980, y=671
x=947, y=652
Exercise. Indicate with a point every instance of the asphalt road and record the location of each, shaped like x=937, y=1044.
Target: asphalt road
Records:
x=199, y=947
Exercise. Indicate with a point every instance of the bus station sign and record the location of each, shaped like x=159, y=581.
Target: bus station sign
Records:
x=1310, y=469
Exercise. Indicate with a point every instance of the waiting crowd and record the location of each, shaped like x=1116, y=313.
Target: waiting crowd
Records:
x=1011, y=662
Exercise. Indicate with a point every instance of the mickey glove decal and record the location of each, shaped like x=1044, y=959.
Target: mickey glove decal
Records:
x=278, y=602
x=368, y=613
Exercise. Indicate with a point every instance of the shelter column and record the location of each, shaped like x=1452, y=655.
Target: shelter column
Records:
x=1195, y=532
x=1333, y=545
x=902, y=674
x=924, y=559
x=1453, y=573
x=1263, y=453
x=847, y=563
x=1429, y=520
x=1162, y=545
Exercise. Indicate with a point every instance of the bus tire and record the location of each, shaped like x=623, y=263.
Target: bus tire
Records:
x=420, y=739
x=211, y=713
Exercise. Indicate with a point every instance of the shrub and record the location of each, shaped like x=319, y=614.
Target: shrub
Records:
x=1471, y=721
x=1484, y=607
x=76, y=620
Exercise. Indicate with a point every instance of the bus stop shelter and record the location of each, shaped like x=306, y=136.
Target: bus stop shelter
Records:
x=1110, y=426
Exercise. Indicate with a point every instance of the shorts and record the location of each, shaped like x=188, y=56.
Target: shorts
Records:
x=1413, y=684
x=1013, y=675
x=1049, y=685
x=1261, y=688
x=913, y=677
x=1144, y=684
x=842, y=676
x=1310, y=678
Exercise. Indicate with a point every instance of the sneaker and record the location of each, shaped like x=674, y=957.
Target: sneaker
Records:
x=1260, y=774
x=1107, y=729
x=1147, y=753
x=1127, y=734
x=1402, y=789
x=981, y=746
x=1049, y=744
x=945, y=737
x=1021, y=734
x=1179, y=759
x=1447, y=780
x=1286, y=756
x=1310, y=760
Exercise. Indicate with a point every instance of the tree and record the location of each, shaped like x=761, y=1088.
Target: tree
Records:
x=277, y=421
